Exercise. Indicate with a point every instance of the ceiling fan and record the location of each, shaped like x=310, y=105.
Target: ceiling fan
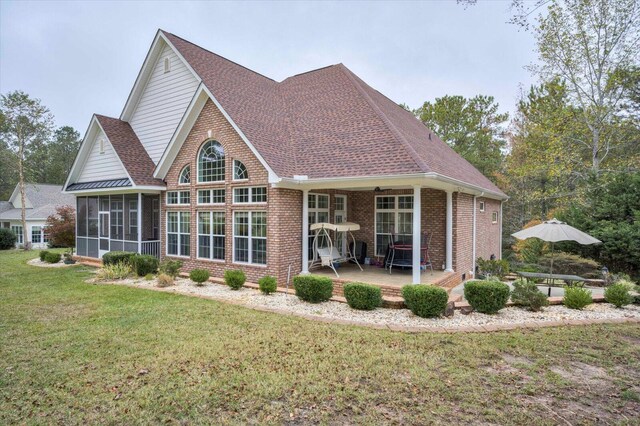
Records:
x=378, y=189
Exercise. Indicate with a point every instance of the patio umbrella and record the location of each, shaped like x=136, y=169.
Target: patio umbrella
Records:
x=554, y=230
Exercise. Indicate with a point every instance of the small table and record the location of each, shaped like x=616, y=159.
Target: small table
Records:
x=550, y=277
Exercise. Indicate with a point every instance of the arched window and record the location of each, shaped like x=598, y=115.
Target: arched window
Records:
x=185, y=176
x=239, y=171
x=211, y=162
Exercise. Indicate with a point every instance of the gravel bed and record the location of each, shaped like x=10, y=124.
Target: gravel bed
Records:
x=389, y=317
x=40, y=263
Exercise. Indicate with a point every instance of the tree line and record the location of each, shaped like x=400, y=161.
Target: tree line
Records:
x=572, y=148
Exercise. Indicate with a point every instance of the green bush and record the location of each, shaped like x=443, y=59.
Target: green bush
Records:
x=199, y=276
x=268, y=284
x=234, y=278
x=114, y=257
x=144, y=264
x=148, y=277
x=7, y=239
x=576, y=297
x=114, y=271
x=526, y=293
x=52, y=257
x=313, y=288
x=618, y=295
x=571, y=264
x=362, y=296
x=43, y=254
x=425, y=300
x=170, y=267
x=496, y=268
x=486, y=296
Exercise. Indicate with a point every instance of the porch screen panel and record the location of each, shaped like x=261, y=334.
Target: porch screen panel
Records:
x=81, y=247
x=92, y=217
x=117, y=217
x=116, y=245
x=131, y=217
x=131, y=246
x=82, y=217
x=92, y=247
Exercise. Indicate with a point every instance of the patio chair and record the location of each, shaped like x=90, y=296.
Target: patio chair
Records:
x=425, y=242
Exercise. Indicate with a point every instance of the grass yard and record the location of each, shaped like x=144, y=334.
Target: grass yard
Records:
x=73, y=353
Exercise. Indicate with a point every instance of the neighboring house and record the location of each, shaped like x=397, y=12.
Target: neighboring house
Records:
x=224, y=168
x=41, y=201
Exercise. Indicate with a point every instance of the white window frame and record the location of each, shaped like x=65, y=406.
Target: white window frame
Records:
x=396, y=215
x=315, y=210
x=211, y=235
x=198, y=165
x=166, y=227
x=251, y=195
x=482, y=207
x=182, y=172
x=210, y=191
x=494, y=217
x=39, y=234
x=179, y=195
x=249, y=237
x=19, y=234
x=234, y=172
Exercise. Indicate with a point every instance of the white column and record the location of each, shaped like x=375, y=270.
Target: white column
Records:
x=449, y=257
x=416, y=234
x=305, y=231
x=139, y=222
x=500, y=221
x=473, y=249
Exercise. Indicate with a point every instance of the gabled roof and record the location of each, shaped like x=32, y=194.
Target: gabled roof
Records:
x=134, y=157
x=325, y=123
x=42, y=200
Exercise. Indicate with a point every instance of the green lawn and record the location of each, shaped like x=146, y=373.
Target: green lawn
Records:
x=72, y=352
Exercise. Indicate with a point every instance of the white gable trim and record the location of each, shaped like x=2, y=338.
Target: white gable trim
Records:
x=85, y=150
x=187, y=122
x=145, y=72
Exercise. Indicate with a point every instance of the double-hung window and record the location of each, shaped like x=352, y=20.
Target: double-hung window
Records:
x=211, y=235
x=36, y=234
x=250, y=237
x=17, y=229
x=394, y=219
x=178, y=233
x=211, y=196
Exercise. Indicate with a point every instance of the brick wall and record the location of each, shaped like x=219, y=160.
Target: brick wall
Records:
x=462, y=234
x=488, y=233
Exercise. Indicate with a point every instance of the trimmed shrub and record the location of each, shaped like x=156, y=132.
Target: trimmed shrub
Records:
x=7, y=239
x=43, y=254
x=144, y=264
x=362, y=296
x=52, y=257
x=234, y=278
x=618, y=295
x=487, y=297
x=313, y=288
x=526, y=293
x=164, y=280
x=170, y=267
x=199, y=276
x=576, y=297
x=495, y=268
x=425, y=301
x=114, y=257
x=148, y=277
x=116, y=271
x=268, y=284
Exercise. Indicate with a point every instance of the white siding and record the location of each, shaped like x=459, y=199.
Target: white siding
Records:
x=162, y=104
x=101, y=166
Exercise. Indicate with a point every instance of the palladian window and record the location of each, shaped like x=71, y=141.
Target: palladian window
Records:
x=211, y=162
x=185, y=176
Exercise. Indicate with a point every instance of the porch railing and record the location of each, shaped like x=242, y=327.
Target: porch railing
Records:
x=150, y=247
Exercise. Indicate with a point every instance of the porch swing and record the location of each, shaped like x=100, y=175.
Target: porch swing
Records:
x=329, y=255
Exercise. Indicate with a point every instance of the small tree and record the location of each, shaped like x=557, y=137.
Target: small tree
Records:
x=24, y=123
x=61, y=227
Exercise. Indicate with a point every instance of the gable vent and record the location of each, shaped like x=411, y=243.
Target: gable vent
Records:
x=167, y=65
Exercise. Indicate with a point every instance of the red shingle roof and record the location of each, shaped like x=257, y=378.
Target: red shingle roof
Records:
x=130, y=150
x=326, y=123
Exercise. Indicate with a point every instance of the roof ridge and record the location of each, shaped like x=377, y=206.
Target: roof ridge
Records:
x=218, y=55
x=310, y=71
x=390, y=126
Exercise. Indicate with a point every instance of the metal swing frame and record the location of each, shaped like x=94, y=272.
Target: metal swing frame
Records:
x=327, y=256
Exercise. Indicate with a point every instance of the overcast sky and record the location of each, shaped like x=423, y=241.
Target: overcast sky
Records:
x=81, y=58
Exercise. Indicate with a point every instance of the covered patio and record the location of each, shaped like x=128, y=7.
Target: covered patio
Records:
x=379, y=276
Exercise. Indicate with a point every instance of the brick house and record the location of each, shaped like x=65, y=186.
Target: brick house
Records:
x=224, y=168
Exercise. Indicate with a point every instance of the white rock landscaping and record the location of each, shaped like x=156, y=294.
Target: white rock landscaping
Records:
x=391, y=318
